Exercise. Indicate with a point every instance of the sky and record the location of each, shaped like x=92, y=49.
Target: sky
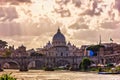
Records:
x=34, y=22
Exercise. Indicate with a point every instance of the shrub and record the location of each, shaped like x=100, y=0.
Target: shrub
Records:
x=94, y=69
x=73, y=69
x=100, y=69
x=118, y=69
x=110, y=65
x=7, y=77
x=48, y=69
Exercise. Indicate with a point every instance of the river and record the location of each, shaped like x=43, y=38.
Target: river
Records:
x=59, y=75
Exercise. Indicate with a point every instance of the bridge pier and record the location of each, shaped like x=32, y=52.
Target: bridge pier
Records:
x=49, y=67
x=23, y=68
x=23, y=65
x=74, y=67
x=1, y=69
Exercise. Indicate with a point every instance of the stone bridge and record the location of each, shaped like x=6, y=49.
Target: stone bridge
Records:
x=73, y=61
x=23, y=62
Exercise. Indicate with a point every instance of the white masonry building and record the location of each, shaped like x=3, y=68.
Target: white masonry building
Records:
x=60, y=48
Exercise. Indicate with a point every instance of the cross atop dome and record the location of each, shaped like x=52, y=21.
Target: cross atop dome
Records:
x=58, y=29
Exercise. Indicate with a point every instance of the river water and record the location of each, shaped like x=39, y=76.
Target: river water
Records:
x=59, y=75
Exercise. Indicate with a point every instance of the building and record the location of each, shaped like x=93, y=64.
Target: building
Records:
x=59, y=47
x=59, y=53
x=19, y=52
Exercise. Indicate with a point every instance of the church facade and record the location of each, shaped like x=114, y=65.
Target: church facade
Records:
x=60, y=48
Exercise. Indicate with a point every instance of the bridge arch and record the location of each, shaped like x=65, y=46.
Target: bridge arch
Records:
x=10, y=64
x=36, y=64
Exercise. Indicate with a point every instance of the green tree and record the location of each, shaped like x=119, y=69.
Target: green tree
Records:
x=3, y=44
x=86, y=62
x=94, y=47
x=7, y=53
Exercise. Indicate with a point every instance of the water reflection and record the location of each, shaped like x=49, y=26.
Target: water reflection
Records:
x=59, y=75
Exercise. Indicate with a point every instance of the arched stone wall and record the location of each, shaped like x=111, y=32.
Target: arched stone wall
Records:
x=10, y=62
x=62, y=63
x=37, y=64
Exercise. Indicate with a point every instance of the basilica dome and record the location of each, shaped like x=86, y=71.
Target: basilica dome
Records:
x=58, y=39
x=58, y=36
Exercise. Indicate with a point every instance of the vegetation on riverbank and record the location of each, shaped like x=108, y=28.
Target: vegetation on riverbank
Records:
x=49, y=69
x=84, y=65
x=7, y=77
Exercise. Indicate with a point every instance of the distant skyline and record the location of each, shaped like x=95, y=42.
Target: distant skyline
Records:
x=34, y=22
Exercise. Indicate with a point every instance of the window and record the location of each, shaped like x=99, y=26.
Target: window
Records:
x=61, y=54
x=56, y=54
x=66, y=54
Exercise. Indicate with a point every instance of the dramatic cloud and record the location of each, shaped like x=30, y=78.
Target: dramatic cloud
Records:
x=10, y=29
x=78, y=26
x=15, y=2
x=8, y=13
x=93, y=9
x=110, y=25
x=117, y=4
x=89, y=35
x=34, y=22
x=36, y=29
x=77, y=3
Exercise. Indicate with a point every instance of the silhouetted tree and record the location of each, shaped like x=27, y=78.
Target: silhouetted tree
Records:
x=3, y=44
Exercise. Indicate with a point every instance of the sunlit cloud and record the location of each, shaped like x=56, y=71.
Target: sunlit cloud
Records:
x=34, y=22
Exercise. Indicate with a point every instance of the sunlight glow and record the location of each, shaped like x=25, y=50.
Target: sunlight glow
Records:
x=38, y=17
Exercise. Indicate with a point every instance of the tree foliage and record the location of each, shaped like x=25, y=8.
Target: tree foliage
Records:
x=94, y=47
x=86, y=62
x=7, y=77
x=3, y=44
x=7, y=53
x=36, y=54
